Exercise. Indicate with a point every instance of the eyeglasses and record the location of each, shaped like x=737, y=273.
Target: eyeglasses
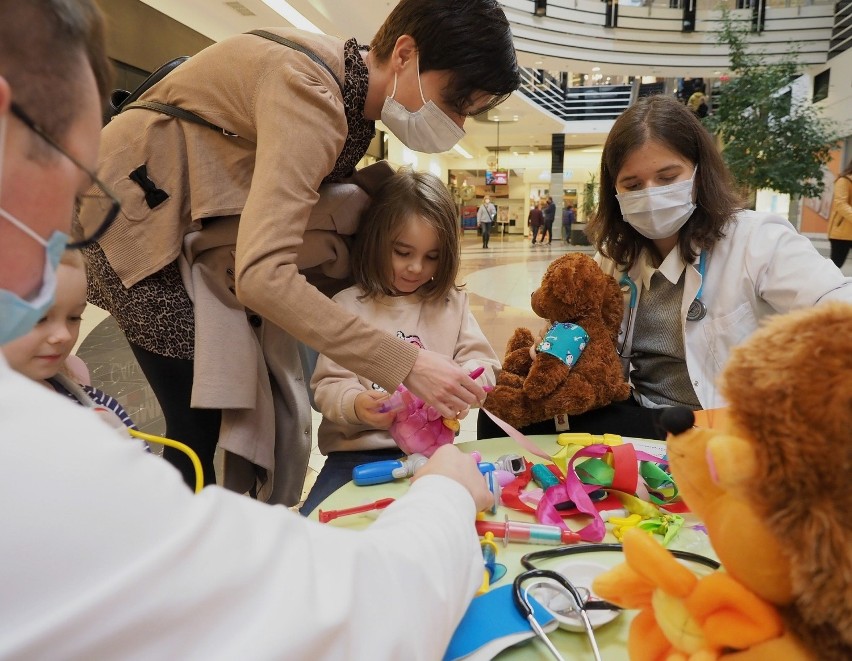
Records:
x=98, y=194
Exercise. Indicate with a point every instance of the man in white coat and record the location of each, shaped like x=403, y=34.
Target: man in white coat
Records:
x=104, y=552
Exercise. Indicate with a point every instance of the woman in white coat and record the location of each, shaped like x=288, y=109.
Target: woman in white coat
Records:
x=698, y=271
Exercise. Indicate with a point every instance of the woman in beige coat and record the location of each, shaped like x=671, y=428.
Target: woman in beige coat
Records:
x=290, y=118
x=840, y=219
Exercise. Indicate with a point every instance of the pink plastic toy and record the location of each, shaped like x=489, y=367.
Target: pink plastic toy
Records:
x=419, y=428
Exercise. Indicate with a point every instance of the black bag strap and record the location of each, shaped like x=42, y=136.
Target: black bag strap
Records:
x=177, y=112
x=121, y=98
x=188, y=116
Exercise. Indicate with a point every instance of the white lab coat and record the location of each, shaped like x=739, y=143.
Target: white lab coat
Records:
x=760, y=267
x=105, y=554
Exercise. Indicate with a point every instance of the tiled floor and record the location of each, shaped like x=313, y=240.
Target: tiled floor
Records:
x=499, y=281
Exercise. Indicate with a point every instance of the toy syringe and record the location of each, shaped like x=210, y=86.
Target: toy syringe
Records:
x=526, y=533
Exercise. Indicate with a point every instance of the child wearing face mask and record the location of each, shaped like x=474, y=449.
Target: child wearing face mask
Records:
x=405, y=263
x=44, y=353
x=698, y=271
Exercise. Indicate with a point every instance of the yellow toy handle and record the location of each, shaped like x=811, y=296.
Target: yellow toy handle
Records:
x=177, y=445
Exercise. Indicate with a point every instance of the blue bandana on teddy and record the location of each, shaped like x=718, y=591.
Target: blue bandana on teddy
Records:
x=566, y=341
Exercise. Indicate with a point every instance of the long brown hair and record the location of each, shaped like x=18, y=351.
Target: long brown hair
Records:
x=671, y=124
x=402, y=197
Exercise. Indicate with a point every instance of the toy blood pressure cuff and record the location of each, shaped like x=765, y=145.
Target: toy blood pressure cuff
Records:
x=565, y=341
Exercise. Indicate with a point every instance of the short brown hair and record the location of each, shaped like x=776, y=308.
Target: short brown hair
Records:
x=43, y=46
x=404, y=196
x=470, y=38
x=670, y=123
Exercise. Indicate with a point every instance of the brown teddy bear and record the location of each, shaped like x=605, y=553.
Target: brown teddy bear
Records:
x=574, y=292
x=772, y=490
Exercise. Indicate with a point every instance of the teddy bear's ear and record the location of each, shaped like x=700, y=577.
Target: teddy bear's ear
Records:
x=732, y=462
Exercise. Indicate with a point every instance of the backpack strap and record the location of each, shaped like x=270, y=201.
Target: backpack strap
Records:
x=176, y=112
x=188, y=116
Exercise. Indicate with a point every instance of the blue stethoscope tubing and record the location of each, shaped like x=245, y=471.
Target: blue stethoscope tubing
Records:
x=697, y=310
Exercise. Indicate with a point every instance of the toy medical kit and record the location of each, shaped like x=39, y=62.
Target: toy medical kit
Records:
x=514, y=463
x=580, y=574
x=526, y=533
x=328, y=515
x=379, y=472
x=177, y=445
x=522, y=602
x=494, y=571
x=543, y=477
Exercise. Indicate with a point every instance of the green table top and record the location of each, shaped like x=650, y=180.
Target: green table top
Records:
x=611, y=637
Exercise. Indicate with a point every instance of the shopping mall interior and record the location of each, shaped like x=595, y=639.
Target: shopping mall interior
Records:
x=584, y=62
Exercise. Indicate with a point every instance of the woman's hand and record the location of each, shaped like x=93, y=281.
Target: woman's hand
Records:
x=438, y=381
x=367, y=405
x=450, y=462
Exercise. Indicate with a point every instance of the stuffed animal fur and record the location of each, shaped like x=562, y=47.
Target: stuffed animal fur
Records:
x=773, y=491
x=790, y=388
x=528, y=390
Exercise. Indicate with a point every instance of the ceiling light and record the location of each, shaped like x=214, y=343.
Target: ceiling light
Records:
x=596, y=68
x=291, y=15
x=460, y=150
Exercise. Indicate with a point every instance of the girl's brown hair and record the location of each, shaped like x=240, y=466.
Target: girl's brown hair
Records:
x=673, y=125
x=406, y=196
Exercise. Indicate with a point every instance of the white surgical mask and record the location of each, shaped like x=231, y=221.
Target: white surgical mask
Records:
x=659, y=212
x=17, y=315
x=428, y=130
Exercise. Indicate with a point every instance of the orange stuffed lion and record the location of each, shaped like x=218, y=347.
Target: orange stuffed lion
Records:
x=773, y=491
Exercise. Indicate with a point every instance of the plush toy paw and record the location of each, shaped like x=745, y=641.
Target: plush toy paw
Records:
x=546, y=375
x=513, y=406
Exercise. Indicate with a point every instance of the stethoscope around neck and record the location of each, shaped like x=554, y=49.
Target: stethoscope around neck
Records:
x=697, y=310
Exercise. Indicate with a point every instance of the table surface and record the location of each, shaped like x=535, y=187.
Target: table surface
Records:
x=611, y=637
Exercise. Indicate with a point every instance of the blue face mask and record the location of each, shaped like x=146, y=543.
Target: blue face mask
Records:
x=19, y=316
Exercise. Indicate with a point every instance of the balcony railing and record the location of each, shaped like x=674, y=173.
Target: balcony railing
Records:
x=575, y=103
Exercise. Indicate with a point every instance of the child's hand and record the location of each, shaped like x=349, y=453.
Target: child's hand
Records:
x=367, y=406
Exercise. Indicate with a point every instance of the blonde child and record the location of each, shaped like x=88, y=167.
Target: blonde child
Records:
x=44, y=354
x=405, y=263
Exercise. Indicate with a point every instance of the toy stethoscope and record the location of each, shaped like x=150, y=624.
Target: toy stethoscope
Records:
x=697, y=309
x=580, y=602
